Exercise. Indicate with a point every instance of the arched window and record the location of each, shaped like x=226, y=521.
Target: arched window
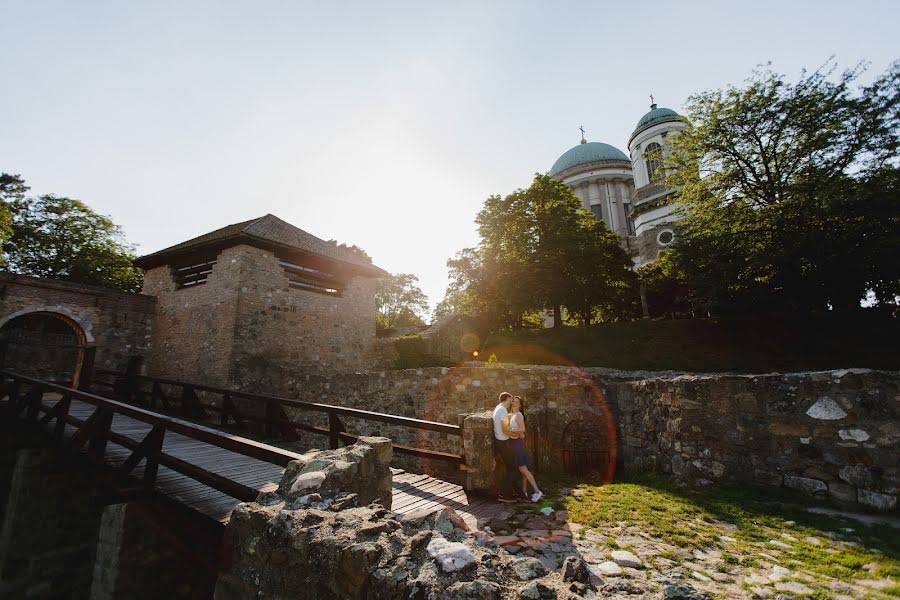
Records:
x=653, y=160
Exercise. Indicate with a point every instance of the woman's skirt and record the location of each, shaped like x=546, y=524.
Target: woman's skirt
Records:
x=520, y=452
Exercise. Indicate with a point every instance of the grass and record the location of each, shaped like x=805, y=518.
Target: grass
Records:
x=694, y=518
x=711, y=345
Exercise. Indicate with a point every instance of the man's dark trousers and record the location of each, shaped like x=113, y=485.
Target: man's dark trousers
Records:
x=505, y=450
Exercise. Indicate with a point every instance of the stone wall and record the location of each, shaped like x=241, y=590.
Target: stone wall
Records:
x=321, y=537
x=155, y=548
x=49, y=529
x=247, y=328
x=118, y=324
x=554, y=399
x=831, y=433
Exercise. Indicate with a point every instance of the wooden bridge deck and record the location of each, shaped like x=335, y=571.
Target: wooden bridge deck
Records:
x=411, y=492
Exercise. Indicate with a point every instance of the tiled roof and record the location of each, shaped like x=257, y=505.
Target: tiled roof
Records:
x=268, y=228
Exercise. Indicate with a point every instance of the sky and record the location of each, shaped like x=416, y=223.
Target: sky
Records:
x=380, y=124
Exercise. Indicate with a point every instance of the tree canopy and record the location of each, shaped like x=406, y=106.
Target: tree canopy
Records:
x=400, y=302
x=62, y=238
x=540, y=250
x=790, y=192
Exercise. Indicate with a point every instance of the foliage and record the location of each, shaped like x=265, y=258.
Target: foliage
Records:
x=664, y=288
x=412, y=353
x=354, y=249
x=12, y=189
x=790, y=192
x=540, y=250
x=62, y=238
x=399, y=301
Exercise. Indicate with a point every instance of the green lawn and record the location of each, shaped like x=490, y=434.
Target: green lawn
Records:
x=741, y=524
x=710, y=345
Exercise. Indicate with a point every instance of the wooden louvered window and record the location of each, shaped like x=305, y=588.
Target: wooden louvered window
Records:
x=193, y=274
x=304, y=277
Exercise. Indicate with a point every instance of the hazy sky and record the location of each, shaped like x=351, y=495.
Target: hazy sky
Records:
x=381, y=124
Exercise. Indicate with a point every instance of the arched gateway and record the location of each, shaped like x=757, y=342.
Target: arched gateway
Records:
x=47, y=344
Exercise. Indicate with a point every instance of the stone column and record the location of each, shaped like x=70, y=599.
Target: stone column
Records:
x=622, y=188
x=593, y=195
x=478, y=451
x=613, y=222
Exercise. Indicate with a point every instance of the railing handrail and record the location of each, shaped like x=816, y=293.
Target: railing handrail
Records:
x=305, y=405
x=233, y=443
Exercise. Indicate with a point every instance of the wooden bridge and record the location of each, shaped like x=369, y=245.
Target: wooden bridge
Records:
x=138, y=451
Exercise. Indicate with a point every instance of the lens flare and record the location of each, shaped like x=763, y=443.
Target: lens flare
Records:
x=469, y=343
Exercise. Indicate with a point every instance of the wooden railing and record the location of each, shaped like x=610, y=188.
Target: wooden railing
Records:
x=272, y=418
x=26, y=400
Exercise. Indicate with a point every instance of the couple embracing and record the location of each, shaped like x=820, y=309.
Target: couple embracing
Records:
x=509, y=444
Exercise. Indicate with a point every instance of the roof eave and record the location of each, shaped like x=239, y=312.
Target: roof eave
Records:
x=167, y=257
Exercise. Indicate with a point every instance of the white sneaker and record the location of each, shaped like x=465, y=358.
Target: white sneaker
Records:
x=536, y=496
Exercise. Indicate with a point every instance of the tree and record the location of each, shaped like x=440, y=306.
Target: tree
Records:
x=12, y=189
x=400, y=302
x=539, y=250
x=777, y=181
x=62, y=238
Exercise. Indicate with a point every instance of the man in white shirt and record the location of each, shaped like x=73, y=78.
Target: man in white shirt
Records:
x=504, y=449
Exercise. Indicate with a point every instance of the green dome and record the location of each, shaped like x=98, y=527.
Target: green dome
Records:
x=656, y=115
x=586, y=153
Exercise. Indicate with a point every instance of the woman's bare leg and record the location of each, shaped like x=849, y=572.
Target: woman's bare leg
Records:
x=527, y=475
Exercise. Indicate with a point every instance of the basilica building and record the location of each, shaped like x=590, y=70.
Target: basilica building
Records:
x=627, y=192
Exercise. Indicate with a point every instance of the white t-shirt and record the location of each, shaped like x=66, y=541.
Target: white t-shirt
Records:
x=500, y=413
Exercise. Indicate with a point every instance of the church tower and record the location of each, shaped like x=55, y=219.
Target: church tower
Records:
x=653, y=215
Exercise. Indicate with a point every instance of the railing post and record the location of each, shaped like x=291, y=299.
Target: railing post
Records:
x=13, y=398
x=100, y=434
x=62, y=412
x=154, y=449
x=226, y=407
x=270, y=420
x=35, y=396
x=335, y=428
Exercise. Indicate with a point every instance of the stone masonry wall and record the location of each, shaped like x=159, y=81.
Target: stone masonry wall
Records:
x=195, y=326
x=282, y=330
x=831, y=433
x=247, y=328
x=49, y=529
x=120, y=324
x=321, y=536
x=554, y=398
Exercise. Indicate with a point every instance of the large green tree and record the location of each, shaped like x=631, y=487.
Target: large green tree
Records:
x=400, y=301
x=540, y=250
x=790, y=192
x=62, y=238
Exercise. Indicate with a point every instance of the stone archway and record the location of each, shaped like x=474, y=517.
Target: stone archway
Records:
x=52, y=345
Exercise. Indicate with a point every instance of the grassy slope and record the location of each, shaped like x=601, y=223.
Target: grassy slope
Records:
x=743, y=345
